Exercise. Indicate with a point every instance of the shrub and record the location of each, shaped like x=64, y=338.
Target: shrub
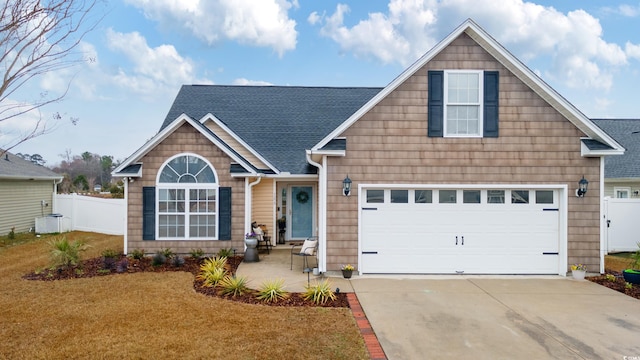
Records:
x=137, y=254
x=212, y=271
x=226, y=253
x=66, y=253
x=109, y=259
x=168, y=253
x=196, y=253
x=12, y=233
x=610, y=277
x=158, y=259
x=319, y=293
x=123, y=265
x=234, y=286
x=272, y=291
x=177, y=261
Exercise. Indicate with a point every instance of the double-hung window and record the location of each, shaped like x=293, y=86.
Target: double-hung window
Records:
x=462, y=103
x=187, y=205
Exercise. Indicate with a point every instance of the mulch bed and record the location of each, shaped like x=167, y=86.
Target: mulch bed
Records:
x=617, y=284
x=96, y=267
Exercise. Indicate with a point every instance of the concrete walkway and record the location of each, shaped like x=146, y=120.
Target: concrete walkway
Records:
x=480, y=317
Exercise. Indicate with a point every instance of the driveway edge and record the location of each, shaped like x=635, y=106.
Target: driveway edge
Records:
x=370, y=338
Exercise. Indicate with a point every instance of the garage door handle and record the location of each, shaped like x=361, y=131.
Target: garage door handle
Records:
x=463, y=240
x=456, y=240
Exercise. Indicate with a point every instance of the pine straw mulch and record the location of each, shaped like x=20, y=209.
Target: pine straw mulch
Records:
x=96, y=267
x=618, y=284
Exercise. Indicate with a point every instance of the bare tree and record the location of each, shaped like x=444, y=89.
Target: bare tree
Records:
x=38, y=37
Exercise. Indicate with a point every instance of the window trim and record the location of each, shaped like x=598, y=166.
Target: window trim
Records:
x=480, y=104
x=622, y=189
x=186, y=186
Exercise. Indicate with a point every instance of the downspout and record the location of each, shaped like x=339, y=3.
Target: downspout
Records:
x=125, y=182
x=603, y=244
x=248, y=200
x=322, y=215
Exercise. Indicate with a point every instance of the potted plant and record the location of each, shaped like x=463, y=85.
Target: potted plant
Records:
x=578, y=271
x=347, y=271
x=282, y=223
x=632, y=274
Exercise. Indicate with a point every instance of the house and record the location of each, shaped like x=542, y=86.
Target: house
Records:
x=384, y=181
x=622, y=173
x=26, y=192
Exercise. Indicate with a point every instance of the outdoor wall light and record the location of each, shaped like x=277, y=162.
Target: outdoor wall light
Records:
x=583, y=184
x=346, y=186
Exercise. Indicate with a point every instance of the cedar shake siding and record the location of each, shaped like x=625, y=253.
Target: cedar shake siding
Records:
x=390, y=145
x=185, y=139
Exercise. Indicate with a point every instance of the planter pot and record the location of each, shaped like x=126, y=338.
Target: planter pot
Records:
x=347, y=274
x=578, y=274
x=251, y=253
x=631, y=276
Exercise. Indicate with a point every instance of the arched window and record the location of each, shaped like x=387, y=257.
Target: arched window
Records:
x=187, y=199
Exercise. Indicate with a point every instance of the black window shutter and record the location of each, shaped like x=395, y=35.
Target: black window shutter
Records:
x=491, y=95
x=224, y=207
x=435, y=103
x=148, y=213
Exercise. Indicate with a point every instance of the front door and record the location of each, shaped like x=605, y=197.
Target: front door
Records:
x=301, y=212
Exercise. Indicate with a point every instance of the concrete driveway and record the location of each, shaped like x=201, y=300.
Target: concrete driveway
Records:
x=500, y=318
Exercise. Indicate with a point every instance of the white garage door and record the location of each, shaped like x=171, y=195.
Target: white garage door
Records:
x=475, y=231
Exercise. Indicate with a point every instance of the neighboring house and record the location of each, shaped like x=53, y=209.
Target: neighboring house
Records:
x=26, y=192
x=489, y=190
x=622, y=173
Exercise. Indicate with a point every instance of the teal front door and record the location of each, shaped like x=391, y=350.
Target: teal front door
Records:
x=302, y=201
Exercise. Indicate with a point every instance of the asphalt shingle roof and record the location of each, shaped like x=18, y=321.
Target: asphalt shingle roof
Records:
x=279, y=122
x=14, y=167
x=627, y=133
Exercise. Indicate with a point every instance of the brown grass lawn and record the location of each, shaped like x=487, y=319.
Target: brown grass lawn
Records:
x=151, y=316
x=617, y=262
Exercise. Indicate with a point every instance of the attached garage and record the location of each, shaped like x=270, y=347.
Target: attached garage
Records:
x=462, y=229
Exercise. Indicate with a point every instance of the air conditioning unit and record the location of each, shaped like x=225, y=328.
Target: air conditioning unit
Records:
x=49, y=224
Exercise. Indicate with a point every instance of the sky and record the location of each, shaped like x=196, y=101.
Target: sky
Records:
x=142, y=51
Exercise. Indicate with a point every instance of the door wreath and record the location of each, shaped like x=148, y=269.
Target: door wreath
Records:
x=302, y=197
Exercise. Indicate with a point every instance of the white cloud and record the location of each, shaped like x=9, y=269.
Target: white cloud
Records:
x=401, y=35
x=314, y=18
x=624, y=10
x=263, y=23
x=572, y=42
x=153, y=68
x=243, y=81
x=632, y=50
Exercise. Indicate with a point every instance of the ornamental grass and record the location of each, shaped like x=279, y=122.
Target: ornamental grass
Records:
x=151, y=315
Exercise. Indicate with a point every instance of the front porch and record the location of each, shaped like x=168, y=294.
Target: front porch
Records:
x=276, y=265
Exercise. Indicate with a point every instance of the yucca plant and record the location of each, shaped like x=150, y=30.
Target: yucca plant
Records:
x=196, y=253
x=226, y=253
x=234, y=286
x=66, y=253
x=168, y=253
x=212, y=271
x=137, y=254
x=319, y=293
x=272, y=291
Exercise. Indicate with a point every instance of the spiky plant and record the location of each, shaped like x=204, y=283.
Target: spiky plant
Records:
x=137, y=254
x=66, y=253
x=196, y=253
x=319, y=293
x=226, y=253
x=272, y=291
x=234, y=286
x=177, y=261
x=212, y=277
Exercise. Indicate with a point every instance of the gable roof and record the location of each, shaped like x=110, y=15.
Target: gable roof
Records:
x=507, y=60
x=627, y=133
x=131, y=168
x=278, y=122
x=15, y=168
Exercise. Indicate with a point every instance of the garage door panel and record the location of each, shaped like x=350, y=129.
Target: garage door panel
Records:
x=491, y=238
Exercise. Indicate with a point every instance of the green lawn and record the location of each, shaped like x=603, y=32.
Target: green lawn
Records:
x=151, y=315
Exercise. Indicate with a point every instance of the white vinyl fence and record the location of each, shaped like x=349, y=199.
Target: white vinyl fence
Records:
x=621, y=218
x=86, y=213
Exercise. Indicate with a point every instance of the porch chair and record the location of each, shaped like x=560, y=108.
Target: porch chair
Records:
x=264, y=240
x=306, y=250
